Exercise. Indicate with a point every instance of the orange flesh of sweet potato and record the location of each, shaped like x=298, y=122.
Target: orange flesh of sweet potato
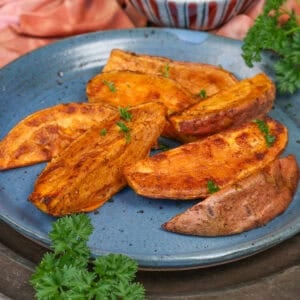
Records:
x=224, y=158
x=125, y=88
x=43, y=134
x=87, y=173
x=192, y=76
x=240, y=103
x=250, y=203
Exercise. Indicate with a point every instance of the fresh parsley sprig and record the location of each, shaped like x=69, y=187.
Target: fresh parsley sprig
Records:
x=284, y=39
x=69, y=273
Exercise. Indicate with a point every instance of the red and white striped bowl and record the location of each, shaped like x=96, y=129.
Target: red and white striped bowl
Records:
x=192, y=14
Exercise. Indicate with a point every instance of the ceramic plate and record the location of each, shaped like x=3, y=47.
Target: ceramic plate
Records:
x=130, y=224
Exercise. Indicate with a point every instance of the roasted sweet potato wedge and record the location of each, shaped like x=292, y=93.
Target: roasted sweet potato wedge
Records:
x=126, y=88
x=248, y=99
x=249, y=203
x=87, y=173
x=221, y=159
x=43, y=134
x=195, y=77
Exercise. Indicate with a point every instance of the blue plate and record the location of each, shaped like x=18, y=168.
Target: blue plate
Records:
x=130, y=224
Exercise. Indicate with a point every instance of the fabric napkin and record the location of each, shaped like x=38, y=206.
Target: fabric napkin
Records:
x=28, y=24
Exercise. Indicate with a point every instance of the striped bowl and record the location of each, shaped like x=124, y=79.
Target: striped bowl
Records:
x=192, y=14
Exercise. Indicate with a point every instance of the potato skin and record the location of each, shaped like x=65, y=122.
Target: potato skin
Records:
x=184, y=172
x=131, y=88
x=42, y=135
x=248, y=99
x=192, y=76
x=87, y=173
x=249, y=203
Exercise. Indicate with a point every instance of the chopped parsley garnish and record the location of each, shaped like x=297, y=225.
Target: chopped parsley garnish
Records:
x=163, y=147
x=110, y=85
x=127, y=137
x=269, y=34
x=103, y=132
x=202, y=94
x=212, y=187
x=289, y=105
x=125, y=129
x=123, y=126
x=125, y=114
x=166, y=71
x=264, y=128
x=69, y=272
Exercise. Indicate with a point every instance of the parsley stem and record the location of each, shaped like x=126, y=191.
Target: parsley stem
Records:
x=292, y=30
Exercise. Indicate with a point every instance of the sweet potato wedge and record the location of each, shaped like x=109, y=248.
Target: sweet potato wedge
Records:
x=248, y=99
x=43, y=134
x=126, y=88
x=192, y=76
x=222, y=159
x=87, y=173
x=251, y=202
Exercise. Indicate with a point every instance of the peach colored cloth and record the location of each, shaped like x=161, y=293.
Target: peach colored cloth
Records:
x=28, y=24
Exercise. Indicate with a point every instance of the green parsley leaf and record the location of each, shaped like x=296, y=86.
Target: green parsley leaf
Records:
x=166, y=71
x=125, y=114
x=110, y=85
x=125, y=129
x=288, y=105
x=212, y=187
x=115, y=267
x=70, y=234
x=129, y=291
x=127, y=137
x=268, y=34
x=69, y=272
x=103, y=132
x=202, y=94
x=123, y=126
x=270, y=139
x=264, y=128
x=163, y=147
